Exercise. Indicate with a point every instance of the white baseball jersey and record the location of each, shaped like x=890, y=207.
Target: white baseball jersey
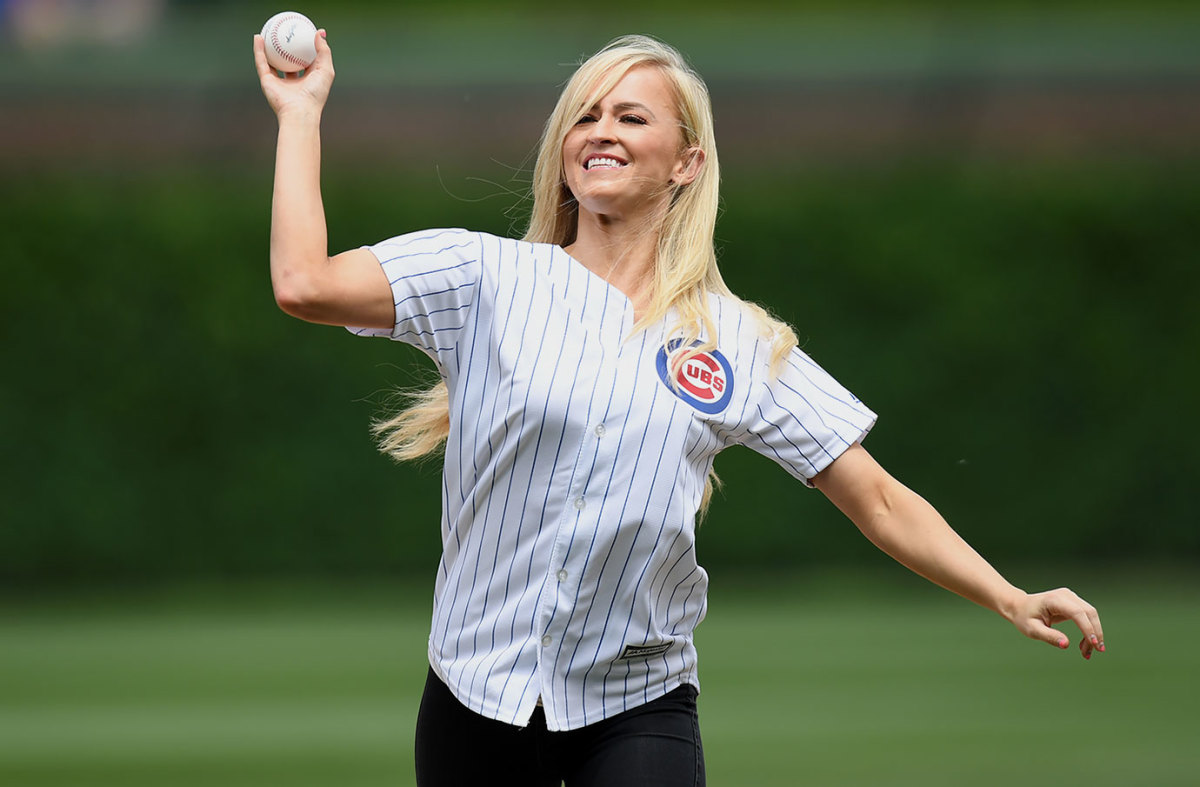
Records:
x=573, y=471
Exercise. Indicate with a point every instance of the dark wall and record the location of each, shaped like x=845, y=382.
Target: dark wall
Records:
x=1026, y=332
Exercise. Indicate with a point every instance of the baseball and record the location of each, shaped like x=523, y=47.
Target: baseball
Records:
x=291, y=41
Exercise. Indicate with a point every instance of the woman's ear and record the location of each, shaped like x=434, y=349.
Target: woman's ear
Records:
x=691, y=162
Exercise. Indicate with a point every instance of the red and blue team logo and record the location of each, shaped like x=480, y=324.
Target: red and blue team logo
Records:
x=705, y=380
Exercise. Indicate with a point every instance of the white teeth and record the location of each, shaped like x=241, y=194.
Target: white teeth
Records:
x=597, y=163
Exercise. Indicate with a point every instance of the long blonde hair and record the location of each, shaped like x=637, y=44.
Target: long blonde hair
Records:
x=685, y=269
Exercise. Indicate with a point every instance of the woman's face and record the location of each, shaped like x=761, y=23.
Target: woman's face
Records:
x=625, y=155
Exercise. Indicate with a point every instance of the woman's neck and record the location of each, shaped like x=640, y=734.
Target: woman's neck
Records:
x=618, y=253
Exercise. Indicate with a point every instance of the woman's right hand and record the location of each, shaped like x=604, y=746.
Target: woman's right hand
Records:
x=293, y=93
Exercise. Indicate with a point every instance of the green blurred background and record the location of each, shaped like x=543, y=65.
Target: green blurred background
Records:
x=980, y=219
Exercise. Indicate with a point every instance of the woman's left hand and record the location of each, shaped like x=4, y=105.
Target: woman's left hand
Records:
x=1036, y=613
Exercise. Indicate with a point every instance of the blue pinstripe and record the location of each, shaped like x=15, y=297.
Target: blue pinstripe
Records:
x=487, y=515
x=615, y=586
x=641, y=576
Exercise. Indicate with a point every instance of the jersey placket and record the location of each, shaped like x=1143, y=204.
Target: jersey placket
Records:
x=581, y=513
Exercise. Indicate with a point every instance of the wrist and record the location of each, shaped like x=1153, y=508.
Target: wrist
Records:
x=1010, y=601
x=299, y=116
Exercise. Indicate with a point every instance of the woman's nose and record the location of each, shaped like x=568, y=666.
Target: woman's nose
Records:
x=603, y=130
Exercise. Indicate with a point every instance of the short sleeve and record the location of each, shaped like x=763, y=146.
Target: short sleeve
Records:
x=434, y=277
x=803, y=418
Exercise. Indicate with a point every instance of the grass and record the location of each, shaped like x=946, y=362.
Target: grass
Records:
x=922, y=689
x=830, y=681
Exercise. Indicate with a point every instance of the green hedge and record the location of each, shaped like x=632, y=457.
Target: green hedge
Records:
x=1027, y=335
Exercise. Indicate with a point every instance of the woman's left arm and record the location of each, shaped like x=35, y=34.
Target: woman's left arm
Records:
x=902, y=524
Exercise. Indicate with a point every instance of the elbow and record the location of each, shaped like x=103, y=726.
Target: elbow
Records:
x=296, y=294
x=291, y=301
x=877, y=518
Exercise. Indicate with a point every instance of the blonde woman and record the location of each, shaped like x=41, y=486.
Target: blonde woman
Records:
x=591, y=371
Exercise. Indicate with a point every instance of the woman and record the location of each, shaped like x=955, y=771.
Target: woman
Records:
x=590, y=373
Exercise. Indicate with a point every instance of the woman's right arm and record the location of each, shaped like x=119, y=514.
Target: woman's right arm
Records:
x=347, y=289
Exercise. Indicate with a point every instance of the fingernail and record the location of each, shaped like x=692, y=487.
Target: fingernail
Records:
x=324, y=34
x=1101, y=647
x=1095, y=640
x=1064, y=644
x=1088, y=655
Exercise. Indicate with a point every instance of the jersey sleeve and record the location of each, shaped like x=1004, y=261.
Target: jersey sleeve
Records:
x=803, y=418
x=434, y=277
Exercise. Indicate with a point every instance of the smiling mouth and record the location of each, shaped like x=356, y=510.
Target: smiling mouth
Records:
x=602, y=162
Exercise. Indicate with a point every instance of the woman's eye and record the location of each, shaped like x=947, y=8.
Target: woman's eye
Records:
x=636, y=119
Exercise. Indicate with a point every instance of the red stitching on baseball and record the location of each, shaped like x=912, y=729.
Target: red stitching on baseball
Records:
x=275, y=42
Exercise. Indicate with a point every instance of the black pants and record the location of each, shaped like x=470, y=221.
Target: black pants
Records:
x=655, y=744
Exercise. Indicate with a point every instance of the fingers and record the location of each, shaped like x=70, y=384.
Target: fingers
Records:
x=1084, y=615
x=260, y=57
x=1057, y=606
x=1093, y=640
x=1097, y=629
x=262, y=65
x=324, y=59
x=1041, y=631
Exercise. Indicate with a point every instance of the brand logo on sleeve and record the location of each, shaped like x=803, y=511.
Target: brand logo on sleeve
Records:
x=704, y=380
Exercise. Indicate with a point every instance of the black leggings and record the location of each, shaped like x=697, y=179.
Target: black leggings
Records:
x=655, y=744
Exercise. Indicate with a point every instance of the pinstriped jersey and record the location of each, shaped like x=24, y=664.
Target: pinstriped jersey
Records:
x=574, y=470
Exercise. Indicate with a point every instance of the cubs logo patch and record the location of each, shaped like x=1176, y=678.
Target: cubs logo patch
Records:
x=705, y=380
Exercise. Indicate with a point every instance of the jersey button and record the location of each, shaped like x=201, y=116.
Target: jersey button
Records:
x=562, y=575
x=580, y=503
x=546, y=641
x=600, y=430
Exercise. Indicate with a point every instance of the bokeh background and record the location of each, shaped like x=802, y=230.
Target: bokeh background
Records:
x=981, y=218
